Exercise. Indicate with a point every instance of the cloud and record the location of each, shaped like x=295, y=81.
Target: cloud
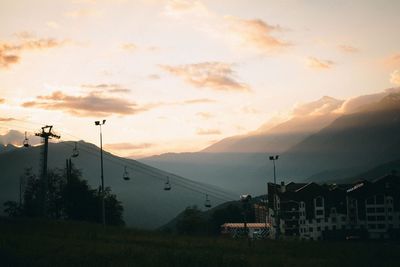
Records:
x=7, y=119
x=84, y=12
x=106, y=87
x=393, y=60
x=348, y=48
x=90, y=105
x=205, y=115
x=10, y=53
x=253, y=34
x=199, y=101
x=214, y=75
x=127, y=146
x=256, y=33
x=153, y=77
x=395, y=77
x=323, y=106
x=353, y=104
x=2, y=100
x=179, y=8
x=208, y=131
x=52, y=24
x=321, y=64
x=129, y=47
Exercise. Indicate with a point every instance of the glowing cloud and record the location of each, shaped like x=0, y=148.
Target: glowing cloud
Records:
x=395, y=77
x=256, y=33
x=214, y=75
x=208, y=131
x=322, y=64
x=89, y=105
x=10, y=52
x=348, y=48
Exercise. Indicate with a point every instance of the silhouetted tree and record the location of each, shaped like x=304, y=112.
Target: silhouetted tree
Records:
x=68, y=197
x=191, y=222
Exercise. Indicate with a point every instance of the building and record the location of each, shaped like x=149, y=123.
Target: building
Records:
x=312, y=211
x=255, y=230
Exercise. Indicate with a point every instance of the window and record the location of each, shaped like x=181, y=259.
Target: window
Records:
x=333, y=210
x=390, y=218
x=390, y=210
x=343, y=219
x=380, y=218
x=370, y=210
x=318, y=220
x=370, y=200
x=319, y=202
x=380, y=210
x=334, y=227
x=381, y=226
x=371, y=218
x=371, y=226
x=379, y=199
x=319, y=229
x=326, y=228
x=333, y=219
x=310, y=229
x=326, y=219
x=319, y=212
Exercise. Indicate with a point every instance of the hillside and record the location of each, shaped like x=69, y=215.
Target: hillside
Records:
x=145, y=202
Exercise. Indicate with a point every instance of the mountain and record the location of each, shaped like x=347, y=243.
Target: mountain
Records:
x=307, y=119
x=6, y=148
x=353, y=143
x=146, y=204
x=359, y=135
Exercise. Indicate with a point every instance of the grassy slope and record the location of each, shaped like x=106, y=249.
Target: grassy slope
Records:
x=40, y=243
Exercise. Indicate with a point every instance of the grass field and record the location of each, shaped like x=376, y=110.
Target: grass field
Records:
x=44, y=243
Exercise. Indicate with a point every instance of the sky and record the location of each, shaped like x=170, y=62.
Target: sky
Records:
x=179, y=75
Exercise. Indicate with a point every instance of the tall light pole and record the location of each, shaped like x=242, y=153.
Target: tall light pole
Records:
x=98, y=123
x=277, y=230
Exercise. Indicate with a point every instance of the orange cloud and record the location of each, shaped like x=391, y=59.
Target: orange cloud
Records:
x=256, y=33
x=321, y=64
x=2, y=100
x=129, y=47
x=10, y=52
x=395, y=77
x=105, y=87
x=348, y=48
x=208, y=131
x=90, y=105
x=393, y=60
x=205, y=115
x=214, y=75
x=127, y=146
x=7, y=119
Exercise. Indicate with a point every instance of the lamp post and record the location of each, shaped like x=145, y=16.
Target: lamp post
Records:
x=277, y=226
x=98, y=123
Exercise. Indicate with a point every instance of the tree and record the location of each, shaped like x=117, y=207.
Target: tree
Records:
x=191, y=222
x=66, y=198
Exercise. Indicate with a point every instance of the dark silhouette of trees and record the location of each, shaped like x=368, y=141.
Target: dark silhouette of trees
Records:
x=68, y=197
x=191, y=222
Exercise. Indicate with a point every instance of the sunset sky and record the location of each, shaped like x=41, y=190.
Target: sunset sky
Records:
x=178, y=75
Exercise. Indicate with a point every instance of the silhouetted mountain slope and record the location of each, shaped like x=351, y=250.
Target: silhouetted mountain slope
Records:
x=145, y=202
x=353, y=142
x=349, y=145
x=307, y=119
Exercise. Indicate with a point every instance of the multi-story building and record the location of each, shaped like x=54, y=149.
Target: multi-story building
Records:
x=312, y=211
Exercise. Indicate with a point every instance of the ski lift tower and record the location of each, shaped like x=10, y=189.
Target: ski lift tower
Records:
x=45, y=134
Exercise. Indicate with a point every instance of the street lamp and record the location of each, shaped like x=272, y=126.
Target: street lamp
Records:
x=98, y=123
x=274, y=158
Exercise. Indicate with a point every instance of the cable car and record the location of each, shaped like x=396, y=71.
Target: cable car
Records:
x=125, y=176
x=26, y=141
x=75, y=151
x=207, y=203
x=167, y=185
